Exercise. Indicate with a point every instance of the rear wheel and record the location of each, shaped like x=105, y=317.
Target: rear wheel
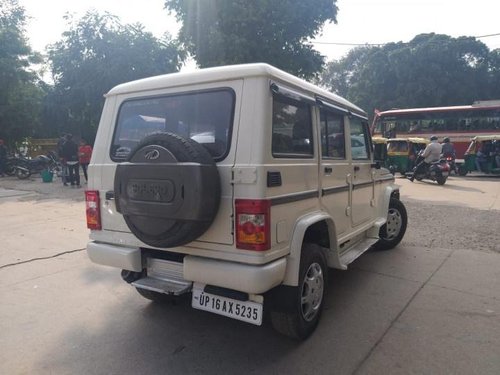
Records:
x=441, y=180
x=296, y=311
x=392, y=232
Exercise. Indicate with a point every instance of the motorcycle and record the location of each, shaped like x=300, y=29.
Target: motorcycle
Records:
x=24, y=168
x=438, y=171
x=450, y=159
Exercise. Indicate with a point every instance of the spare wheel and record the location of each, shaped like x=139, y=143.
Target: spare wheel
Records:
x=168, y=190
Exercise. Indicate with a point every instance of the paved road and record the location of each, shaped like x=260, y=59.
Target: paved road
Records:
x=420, y=308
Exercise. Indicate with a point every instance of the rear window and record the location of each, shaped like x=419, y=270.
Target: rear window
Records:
x=205, y=117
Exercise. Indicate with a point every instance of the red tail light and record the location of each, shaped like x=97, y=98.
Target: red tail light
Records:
x=253, y=222
x=93, y=211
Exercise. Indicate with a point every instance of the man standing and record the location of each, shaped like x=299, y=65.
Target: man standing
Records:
x=431, y=153
x=70, y=156
x=84, y=153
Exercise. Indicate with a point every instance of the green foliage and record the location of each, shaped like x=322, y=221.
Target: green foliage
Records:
x=494, y=74
x=20, y=93
x=94, y=55
x=223, y=32
x=430, y=70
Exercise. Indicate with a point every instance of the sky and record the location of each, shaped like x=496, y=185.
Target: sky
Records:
x=358, y=21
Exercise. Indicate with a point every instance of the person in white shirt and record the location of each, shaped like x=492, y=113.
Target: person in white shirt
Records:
x=431, y=153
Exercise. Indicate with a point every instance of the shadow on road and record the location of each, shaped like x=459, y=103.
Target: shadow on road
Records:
x=138, y=336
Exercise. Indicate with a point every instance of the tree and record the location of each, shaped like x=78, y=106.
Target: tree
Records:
x=96, y=54
x=20, y=92
x=222, y=32
x=430, y=70
x=494, y=74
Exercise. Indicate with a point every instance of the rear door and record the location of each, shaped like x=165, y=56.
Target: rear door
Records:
x=361, y=178
x=208, y=114
x=335, y=168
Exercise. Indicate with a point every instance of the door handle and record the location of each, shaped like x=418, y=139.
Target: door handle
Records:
x=328, y=169
x=356, y=168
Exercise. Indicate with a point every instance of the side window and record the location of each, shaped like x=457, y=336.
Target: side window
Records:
x=360, y=139
x=292, y=128
x=332, y=135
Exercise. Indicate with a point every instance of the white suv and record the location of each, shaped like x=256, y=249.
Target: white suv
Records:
x=239, y=185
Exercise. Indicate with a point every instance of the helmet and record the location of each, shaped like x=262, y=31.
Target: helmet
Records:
x=446, y=140
x=434, y=138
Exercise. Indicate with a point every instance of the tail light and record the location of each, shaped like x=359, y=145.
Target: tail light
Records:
x=253, y=219
x=93, y=211
x=445, y=167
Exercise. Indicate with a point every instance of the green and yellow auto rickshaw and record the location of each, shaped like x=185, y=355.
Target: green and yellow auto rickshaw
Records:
x=402, y=153
x=482, y=155
x=380, y=150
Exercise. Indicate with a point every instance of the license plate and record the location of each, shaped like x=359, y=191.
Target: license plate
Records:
x=246, y=311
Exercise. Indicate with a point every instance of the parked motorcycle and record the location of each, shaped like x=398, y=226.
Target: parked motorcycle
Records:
x=437, y=171
x=24, y=168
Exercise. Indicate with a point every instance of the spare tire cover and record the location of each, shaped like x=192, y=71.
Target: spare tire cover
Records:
x=168, y=190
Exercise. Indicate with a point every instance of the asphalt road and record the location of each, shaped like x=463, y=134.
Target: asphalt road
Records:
x=430, y=306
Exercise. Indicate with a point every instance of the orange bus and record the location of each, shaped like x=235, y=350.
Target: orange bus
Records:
x=459, y=123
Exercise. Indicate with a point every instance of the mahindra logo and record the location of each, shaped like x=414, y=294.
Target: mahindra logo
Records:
x=152, y=154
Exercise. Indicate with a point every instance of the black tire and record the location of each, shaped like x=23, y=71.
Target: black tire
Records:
x=155, y=296
x=392, y=232
x=292, y=314
x=441, y=180
x=10, y=170
x=22, y=174
x=195, y=195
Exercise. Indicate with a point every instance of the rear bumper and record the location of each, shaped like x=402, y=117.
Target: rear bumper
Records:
x=253, y=279
x=125, y=258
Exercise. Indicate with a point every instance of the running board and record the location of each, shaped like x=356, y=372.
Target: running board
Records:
x=163, y=286
x=164, y=276
x=355, y=251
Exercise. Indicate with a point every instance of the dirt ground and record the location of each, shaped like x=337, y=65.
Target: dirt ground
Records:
x=452, y=227
x=35, y=189
x=463, y=214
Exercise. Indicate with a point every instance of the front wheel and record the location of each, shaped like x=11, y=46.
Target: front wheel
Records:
x=10, y=170
x=296, y=311
x=392, y=232
x=22, y=174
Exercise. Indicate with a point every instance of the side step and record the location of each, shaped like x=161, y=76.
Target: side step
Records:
x=163, y=286
x=164, y=276
x=349, y=255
